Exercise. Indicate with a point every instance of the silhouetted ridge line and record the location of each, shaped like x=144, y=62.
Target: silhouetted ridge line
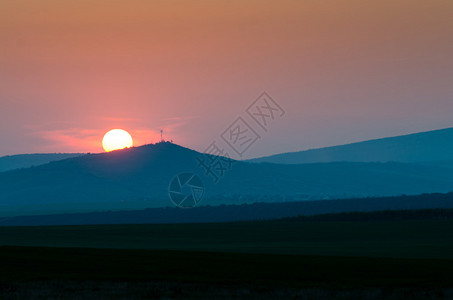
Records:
x=406, y=207
x=436, y=145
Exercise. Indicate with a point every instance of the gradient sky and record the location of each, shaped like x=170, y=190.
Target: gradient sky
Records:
x=344, y=71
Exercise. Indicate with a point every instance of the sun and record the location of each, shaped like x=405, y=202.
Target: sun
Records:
x=116, y=139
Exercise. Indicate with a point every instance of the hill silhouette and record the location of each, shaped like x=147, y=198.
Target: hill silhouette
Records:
x=12, y=162
x=430, y=146
x=139, y=177
x=426, y=206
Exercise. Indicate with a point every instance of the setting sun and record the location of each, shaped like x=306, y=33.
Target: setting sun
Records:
x=116, y=139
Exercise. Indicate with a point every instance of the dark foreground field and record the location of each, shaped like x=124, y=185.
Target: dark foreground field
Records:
x=29, y=272
x=429, y=238
x=285, y=259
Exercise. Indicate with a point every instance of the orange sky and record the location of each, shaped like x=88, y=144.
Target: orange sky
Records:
x=343, y=70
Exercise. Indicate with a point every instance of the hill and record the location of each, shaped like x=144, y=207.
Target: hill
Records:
x=20, y=161
x=422, y=147
x=138, y=178
x=425, y=206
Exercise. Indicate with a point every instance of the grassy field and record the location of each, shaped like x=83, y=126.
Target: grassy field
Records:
x=404, y=239
x=284, y=259
x=180, y=274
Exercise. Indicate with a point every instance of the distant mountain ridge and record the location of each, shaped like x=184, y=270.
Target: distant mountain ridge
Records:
x=139, y=177
x=436, y=145
x=12, y=162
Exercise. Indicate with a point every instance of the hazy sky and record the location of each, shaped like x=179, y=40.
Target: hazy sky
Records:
x=343, y=71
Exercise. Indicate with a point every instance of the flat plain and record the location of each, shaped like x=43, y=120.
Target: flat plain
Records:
x=393, y=259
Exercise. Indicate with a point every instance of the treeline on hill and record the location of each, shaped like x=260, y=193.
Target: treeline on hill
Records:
x=430, y=205
x=386, y=215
